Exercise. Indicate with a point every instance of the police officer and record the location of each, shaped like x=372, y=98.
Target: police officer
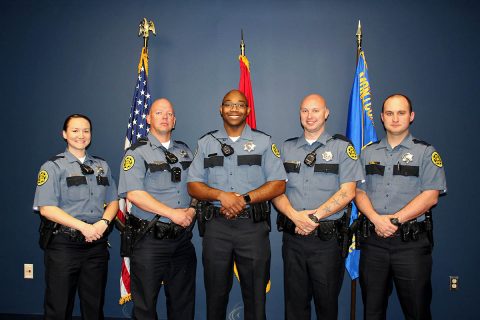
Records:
x=153, y=177
x=322, y=172
x=404, y=177
x=72, y=189
x=238, y=170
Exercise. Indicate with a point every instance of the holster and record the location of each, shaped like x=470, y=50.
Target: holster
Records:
x=126, y=238
x=429, y=226
x=47, y=230
x=284, y=224
x=204, y=212
x=165, y=230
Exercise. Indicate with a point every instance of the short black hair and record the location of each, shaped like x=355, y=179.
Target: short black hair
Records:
x=75, y=116
x=399, y=95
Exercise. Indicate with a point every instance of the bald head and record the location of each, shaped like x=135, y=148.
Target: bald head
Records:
x=162, y=103
x=236, y=95
x=314, y=99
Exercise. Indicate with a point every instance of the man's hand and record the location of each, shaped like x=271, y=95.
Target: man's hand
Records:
x=183, y=217
x=304, y=225
x=232, y=204
x=90, y=232
x=383, y=226
x=100, y=226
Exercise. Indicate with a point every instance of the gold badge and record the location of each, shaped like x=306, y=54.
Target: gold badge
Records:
x=436, y=159
x=42, y=177
x=275, y=150
x=351, y=152
x=128, y=163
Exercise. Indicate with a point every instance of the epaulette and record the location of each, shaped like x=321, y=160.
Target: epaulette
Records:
x=372, y=143
x=206, y=134
x=55, y=158
x=292, y=139
x=140, y=142
x=97, y=157
x=180, y=142
x=416, y=141
x=341, y=137
x=255, y=130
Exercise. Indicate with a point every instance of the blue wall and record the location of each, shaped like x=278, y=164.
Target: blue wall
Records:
x=81, y=56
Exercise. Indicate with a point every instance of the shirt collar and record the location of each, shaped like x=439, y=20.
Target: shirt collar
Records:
x=155, y=142
x=407, y=143
x=324, y=137
x=246, y=133
x=71, y=158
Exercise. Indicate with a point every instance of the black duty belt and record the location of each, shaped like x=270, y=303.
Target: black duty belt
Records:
x=244, y=214
x=75, y=235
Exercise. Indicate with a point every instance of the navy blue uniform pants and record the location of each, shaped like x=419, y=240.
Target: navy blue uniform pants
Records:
x=312, y=268
x=69, y=266
x=172, y=262
x=408, y=265
x=247, y=243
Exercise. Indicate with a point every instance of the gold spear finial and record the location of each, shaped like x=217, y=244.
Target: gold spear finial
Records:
x=359, y=37
x=144, y=30
x=242, y=45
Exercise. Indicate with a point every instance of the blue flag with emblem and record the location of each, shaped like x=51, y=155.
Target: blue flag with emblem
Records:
x=361, y=131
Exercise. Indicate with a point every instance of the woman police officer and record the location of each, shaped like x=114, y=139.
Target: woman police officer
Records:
x=73, y=189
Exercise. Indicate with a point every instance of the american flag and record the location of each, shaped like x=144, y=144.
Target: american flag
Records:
x=137, y=127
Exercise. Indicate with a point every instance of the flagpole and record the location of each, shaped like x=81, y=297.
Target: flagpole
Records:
x=353, y=282
x=242, y=45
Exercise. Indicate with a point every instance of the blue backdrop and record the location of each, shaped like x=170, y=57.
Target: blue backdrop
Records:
x=81, y=56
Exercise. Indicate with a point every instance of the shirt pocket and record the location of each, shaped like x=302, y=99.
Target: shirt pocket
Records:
x=157, y=178
x=77, y=188
x=406, y=179
x=252, y=163
x=325, y=176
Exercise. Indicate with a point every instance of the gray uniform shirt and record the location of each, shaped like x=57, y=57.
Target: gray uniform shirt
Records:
x=145, y=168
x=61, y=183
x=309, y=187
x=395, y=176
x=255, y=161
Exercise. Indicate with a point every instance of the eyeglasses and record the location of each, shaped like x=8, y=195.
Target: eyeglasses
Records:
x=232, y=105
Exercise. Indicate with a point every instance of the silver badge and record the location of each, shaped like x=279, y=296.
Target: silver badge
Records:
x=249, y=146
x=327, y=156
x=407, y=157
x=100, y=171
x=183, y=153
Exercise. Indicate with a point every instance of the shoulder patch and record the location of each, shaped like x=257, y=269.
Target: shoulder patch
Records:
x=275, y=150
x=436, y=159
x=128, y=163
x=42, y=177
x=55, y=158
x=351, y=152
x=341, y=137
x=416, y=141
x=255, y=130
x=140, y=142
x=206, y=134
x=292, y=139
x=99, y=158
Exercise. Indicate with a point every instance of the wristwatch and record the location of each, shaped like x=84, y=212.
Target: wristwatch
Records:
x=247, y=199
x=107, y=222
x=313, y=218
x=395, y=222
